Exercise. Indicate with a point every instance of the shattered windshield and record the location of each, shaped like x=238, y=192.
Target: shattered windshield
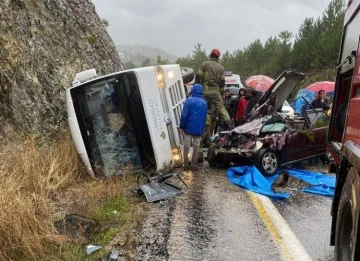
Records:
x=113, y=125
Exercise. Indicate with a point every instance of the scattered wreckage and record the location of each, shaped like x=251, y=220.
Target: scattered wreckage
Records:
x=157, y=186
x=128, y=121
x=270, y=139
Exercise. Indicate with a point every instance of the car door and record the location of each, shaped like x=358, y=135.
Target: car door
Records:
x=310, y=141
x=318, y=122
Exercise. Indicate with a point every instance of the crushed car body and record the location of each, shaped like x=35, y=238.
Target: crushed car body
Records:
x=270, y=138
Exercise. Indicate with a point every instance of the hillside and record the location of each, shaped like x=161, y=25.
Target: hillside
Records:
x=139, y=53
x=43, y=44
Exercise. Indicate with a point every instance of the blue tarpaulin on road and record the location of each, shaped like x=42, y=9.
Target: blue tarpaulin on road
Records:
x=250, y=178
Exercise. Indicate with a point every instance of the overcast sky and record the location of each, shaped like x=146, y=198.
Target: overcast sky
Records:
x=177, y=25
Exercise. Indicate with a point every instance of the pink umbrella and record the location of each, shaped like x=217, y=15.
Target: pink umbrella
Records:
x=317, y=86
x=259, y=82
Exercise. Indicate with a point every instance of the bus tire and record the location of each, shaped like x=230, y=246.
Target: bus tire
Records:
x=187, y=74
x=347, y=235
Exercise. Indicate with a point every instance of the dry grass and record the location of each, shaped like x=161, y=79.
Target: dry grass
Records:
x=40, y=183
x=29, y=173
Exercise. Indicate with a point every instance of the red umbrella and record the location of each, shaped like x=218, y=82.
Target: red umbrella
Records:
x=259, y=82
x=317, y=86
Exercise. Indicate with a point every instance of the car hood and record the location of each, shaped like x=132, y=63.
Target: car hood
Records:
x=281, y=89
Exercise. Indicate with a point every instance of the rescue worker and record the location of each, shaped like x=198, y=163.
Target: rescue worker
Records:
x=213, y=119
x=206, y=139
x=227, y=103
x=192, y=125
x=321, y=101
x=209, y=129
x=212, y=76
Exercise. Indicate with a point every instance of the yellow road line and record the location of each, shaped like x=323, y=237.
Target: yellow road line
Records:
x=284, y=251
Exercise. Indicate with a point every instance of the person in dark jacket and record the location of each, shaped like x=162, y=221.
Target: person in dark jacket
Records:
x=227, y=99
x=242, y=92
x=253, y=97
x=192, y=124
x=321, y=101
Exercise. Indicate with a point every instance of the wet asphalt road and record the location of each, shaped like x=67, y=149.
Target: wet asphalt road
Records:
x=216, y=220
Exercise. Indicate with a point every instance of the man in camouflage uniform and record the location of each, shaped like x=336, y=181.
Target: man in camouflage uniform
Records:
x=205, y=143
x=212, y=76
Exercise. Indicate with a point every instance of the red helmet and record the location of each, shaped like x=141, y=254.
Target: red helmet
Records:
x=216, y=52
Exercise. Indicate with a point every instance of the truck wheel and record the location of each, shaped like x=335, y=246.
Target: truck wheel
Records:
x=347, y=238
x=268, y=162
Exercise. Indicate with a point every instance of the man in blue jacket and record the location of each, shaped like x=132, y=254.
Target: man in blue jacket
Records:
x=192, y=124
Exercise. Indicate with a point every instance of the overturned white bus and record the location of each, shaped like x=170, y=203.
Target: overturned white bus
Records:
x=128, y=118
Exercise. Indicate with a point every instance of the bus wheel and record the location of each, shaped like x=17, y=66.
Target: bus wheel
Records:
x=347, y=238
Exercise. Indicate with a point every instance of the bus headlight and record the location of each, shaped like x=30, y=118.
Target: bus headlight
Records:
x=160, y=77
x=176, y=157
x=171, y=74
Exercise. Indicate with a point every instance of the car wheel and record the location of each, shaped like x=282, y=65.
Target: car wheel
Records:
x=268, y=162
x=347, y=239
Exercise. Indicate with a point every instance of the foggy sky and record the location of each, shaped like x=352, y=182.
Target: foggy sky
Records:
x=177, y=25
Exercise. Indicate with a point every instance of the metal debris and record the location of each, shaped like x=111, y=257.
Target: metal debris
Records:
x=92, y=248
x=114, y=255
x=157, y=187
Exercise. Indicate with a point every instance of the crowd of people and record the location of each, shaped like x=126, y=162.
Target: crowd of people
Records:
x=211, y=108
x=238, y=106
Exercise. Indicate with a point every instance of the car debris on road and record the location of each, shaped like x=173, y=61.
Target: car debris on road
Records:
x=157, y=187
x=270, y=139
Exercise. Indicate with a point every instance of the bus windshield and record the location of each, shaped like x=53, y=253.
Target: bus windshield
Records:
x=114, y=126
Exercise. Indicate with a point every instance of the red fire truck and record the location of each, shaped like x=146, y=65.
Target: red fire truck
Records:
x=344, y=141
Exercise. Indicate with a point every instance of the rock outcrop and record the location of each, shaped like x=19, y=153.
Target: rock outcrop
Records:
x=43, y=44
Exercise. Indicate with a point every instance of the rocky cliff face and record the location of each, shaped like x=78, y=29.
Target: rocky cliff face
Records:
x=43, y=44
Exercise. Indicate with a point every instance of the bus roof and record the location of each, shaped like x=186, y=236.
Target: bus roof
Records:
x=352, y=10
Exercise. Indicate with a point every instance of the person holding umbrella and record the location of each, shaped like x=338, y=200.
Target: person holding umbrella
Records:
x=321, y=101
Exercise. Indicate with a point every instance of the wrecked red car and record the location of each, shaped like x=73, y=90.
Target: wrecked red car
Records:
x=270, y=139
